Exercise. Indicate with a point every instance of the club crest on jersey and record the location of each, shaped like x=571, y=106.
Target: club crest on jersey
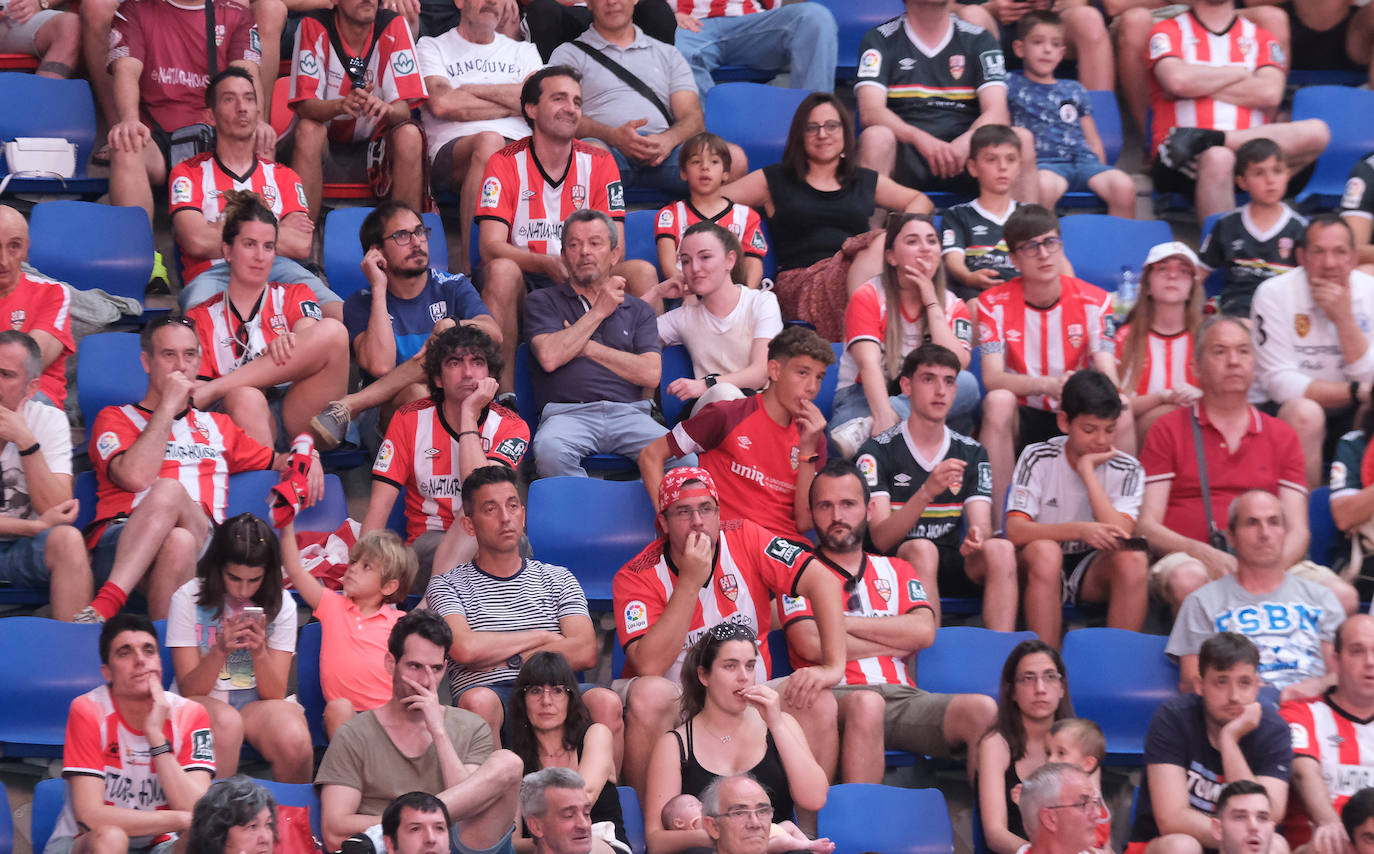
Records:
x=729, y=586
x=794, y=457
x=579, y=196
x=219, y=35
x=1302, y=324
x=1075, y=332
x=491, y=193
x=1338, y=473
x=17, y=317
x=956, y=66
x=665, y=218
x=384, y=456
x=636, y=616
x=181, y=191
x=438, y=311
x=1068, y=113
x=1245, y=45
x=884, y=588
x=949, y=237
x=870, y=63
x=269, y=195
x=1285, y=247
x=278, y=323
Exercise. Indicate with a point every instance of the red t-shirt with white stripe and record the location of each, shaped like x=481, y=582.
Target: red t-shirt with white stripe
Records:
x=753, y=459
x=219, y=326
x=865, y=319
x=1241, y=45
x=1168, y=361
x=1045, y=342
x=517, y=190
x=100, y=743
x=740, y=220
x=723, y=8
x=43, y=304
x=888, y=587
x=420, y=453
x=1341, y=744
x=199, y=184
x=317, y=74
x=203, y=449
x=750, y=564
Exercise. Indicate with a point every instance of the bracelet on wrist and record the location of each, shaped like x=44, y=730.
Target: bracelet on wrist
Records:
x=463, y=433
x=30, y=450
x=162, y=748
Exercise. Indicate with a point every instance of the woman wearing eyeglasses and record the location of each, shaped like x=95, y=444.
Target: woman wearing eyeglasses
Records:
x=904, y=306
x=232, y=633
x=257, y=335
x=731, y=725
x=818, y=202
x=1033, y=694
x=550, y=726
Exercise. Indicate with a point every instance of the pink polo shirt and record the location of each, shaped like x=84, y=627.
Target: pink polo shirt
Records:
x=353, y=651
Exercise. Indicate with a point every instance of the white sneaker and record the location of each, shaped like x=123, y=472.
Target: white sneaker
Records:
x=851, y=435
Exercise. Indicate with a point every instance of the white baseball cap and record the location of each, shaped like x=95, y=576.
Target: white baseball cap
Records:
x=1168, y=250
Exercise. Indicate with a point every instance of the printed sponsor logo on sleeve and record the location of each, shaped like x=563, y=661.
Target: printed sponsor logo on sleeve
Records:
x=870, y=63
x=384, y=456
x=636, y=617
x=181, y=191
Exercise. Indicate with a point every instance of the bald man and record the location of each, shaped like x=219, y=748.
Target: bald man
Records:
x=37, y=305
x=1328, y=733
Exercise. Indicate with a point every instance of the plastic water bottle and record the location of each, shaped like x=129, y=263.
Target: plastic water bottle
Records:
x=1126, y=287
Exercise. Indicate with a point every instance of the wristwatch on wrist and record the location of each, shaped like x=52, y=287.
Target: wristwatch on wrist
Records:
x=515, y=661
x=710, y=380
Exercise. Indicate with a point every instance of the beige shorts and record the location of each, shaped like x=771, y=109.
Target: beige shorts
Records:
x=1159, y=571
x=621, y=687
x=914, y=720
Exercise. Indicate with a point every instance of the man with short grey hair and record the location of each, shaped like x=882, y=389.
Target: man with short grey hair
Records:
x=737, y=815
x=595, y=355
x=1060, y=809
x=557, y=810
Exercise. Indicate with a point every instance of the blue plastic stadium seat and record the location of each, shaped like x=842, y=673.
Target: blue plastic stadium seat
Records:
x=1349, y=112
x=1322, y=525
x=39, y=106
x=1098, y=245
x=633, y=817
x=343, y=253
x=108, y=373
x=46, y=665
x=6, y=823
x=860, y=817
x=308, y=679
x=852, y=21
x=329, y=512
x=677, y=364
x=825, y=398
x=1118, y=678
x=296, y=795
x=592, y=545
x=48, y=798
x=526, y=408
x=639, y=236
x=114, y=251
x=753, y=116
x=966, y=660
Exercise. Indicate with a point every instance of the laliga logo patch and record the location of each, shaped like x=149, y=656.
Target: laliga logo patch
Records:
x=636, y=616
x=793, y=604
x=870, y=63
x=1159, y=45
x=384, y=455
x=181, y=191
x=491, y=193
x=868, y=467
x=106, y=445
x=665, y=218
x=729, y=585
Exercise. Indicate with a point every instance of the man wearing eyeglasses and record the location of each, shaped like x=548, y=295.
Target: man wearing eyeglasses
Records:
x=1071, y=318
x=389, y=322
x=1199, y=742
x=888, y=619
x=1060, y=810
x=503, y=608
x=737, y=814
x=710, y=575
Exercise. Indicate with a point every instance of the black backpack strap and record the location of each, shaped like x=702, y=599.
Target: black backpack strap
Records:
x=212, y=55
x=629, y=79
x=379, y=25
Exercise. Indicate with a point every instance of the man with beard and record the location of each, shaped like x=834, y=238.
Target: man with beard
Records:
x=887, y=619
x=595, y=355
x=1244, y=823
x=389, y=322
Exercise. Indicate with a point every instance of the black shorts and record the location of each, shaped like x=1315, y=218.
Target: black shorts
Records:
x=913, y=171
x=1037, y=425
x=1168, y=180
x=952, y=578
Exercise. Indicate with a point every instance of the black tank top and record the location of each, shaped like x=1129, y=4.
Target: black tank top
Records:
x=769, y=772
x=1011, y=780
x=809, y=224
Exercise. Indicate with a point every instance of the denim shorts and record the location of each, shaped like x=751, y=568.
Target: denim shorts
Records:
x=22, y=563
x=1077, y=169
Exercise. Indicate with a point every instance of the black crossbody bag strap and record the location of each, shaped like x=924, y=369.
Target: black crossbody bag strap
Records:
x=629, y=79
x=379, y=25
x=212, y=55
x=1214, y=535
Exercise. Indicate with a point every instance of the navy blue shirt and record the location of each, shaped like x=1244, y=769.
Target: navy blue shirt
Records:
x=632, y=328
x=412, y=320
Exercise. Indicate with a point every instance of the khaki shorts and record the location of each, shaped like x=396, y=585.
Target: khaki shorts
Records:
x=914, y=720
x=621, y=687
x=1159, y=571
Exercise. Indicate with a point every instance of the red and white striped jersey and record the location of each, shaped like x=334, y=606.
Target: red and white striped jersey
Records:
x=1168, y=361
x=888, y=587
x=1342, y=745
x=317, y=74
x=420, y=453
x=723, y=8
x=1045, y=342
x=517, y=190
x=1241, y=45
x=865, y=319
x=38, y=303
x=228, y=341
x=204, y=448
x=200, y=184
x=751, y=563
x=100, y=744
x=740, y=220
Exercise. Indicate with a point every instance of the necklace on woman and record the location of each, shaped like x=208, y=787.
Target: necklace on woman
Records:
x=723, y=739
